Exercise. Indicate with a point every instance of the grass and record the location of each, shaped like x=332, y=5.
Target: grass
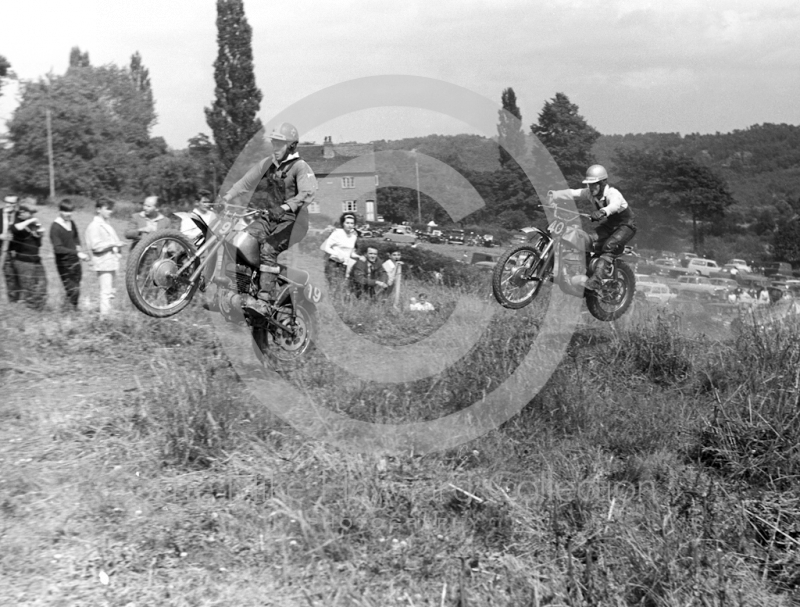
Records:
x=657, y=466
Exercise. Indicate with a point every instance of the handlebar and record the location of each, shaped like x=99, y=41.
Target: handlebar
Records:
x=557, y=209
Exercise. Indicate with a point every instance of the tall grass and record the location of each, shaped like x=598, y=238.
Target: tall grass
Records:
x=656, y=467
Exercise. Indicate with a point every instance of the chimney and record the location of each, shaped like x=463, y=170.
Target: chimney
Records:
x=327, y=148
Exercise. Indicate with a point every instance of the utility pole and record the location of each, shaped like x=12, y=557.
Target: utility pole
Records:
x=419, y=202
x=50, y=146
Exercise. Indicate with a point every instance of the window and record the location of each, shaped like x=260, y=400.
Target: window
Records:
x=349, y=206
x=348, y=182
x=313, y=207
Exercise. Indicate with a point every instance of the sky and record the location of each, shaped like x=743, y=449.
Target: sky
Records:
x=631, y=66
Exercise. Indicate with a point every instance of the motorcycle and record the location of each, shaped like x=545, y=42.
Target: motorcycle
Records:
x=564, y=254
x=168, y=267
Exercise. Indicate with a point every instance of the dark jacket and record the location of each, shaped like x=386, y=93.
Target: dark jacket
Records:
x=364, y=276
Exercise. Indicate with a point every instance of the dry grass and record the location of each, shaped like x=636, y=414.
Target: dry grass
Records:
x=656, y=467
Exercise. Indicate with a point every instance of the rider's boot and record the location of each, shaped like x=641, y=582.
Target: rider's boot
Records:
x=595, y=282
x=268, y=282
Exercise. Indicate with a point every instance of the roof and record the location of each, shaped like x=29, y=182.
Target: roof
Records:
x=359, y=158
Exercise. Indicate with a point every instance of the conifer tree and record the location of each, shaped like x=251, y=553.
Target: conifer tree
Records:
x=232, y=116
x=567, y=136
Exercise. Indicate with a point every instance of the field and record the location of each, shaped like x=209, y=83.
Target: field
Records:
x=657, y=465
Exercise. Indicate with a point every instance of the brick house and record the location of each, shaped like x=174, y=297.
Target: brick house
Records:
x=346, y=178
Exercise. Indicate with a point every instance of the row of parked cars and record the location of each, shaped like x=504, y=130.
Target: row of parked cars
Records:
x=744, y=287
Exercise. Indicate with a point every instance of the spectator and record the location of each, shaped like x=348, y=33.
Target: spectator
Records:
x=763, y=296
x=7, y=219
x=340, y=249
x=67, y=249
x=391, y=268
x=363, y=280
x=421, y=304
x=104, y=244
x=26, y=239
x=149, y=219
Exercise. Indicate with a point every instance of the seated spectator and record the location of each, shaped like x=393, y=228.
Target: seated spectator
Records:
x=146, y=221
x=421, y=304
x=363, y=279
x=340, y=249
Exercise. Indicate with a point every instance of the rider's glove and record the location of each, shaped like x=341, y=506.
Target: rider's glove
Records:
x=277, y=213
x=598, y=215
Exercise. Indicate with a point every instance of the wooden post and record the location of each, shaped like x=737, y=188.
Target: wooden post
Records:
x=397, y=280
x=50, y=156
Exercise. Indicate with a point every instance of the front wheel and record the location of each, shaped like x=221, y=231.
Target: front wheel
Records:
x=151, y=276
x=614, y=297
x=518, y=275
x=285, y=349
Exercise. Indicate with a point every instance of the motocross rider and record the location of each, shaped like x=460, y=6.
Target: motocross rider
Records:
x=616, y=227
x=290, y=185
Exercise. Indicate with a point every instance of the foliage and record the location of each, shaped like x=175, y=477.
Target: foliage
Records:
x=77, y=59
x=567, y=136
x=666, y=187
x=5, y=70
x=174, y=177
x=509, y=132
x=100, y=126
x=232, y=116
x=786, y=241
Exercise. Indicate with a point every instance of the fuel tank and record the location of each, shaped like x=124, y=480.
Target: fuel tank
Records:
x=243, y=247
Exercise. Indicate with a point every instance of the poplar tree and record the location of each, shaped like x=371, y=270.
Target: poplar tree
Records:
x=509, y=131
x=232, y=116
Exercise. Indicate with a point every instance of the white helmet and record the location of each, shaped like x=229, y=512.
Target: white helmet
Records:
x=595, y=173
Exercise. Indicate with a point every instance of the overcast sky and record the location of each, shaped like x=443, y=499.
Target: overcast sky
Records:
x=631, y=65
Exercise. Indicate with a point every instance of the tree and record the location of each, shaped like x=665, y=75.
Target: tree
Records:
x=669, y=187
x=786, y=241
x=232, y=116
x=509, y=129
x=100, y=126
x=567, y=136
x=78, y=59
x=5, y=70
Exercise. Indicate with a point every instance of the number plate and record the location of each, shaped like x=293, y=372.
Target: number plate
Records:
x=556, y=227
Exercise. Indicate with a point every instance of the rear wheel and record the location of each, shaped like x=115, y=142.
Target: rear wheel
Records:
x=614, y=298
x=518, y=275
x=151, y=275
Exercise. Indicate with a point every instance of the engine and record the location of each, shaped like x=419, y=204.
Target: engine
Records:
x=573, y=268
x=241, y=277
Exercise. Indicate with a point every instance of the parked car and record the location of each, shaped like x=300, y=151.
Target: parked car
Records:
x=699, y=287
x=776, y=267
x=401, y=234
x=739, y=264
x=455, y=236
x=655, y=293
x=729, y=284
x=702, y=266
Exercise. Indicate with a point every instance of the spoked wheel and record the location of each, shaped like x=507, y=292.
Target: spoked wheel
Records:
x=151, y=276
x=518, y=276
x=614, y=298
x=286, y=349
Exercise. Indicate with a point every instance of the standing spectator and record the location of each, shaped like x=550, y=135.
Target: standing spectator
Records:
x=7, y=219
x=340, y=249
x=763, y=296
x=391, y=268
x=149, y=219
x=104, y=244
x=67, y=249
x=363, y=280
x=26, y=239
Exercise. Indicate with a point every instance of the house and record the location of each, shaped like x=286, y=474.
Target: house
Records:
x=346, y=178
